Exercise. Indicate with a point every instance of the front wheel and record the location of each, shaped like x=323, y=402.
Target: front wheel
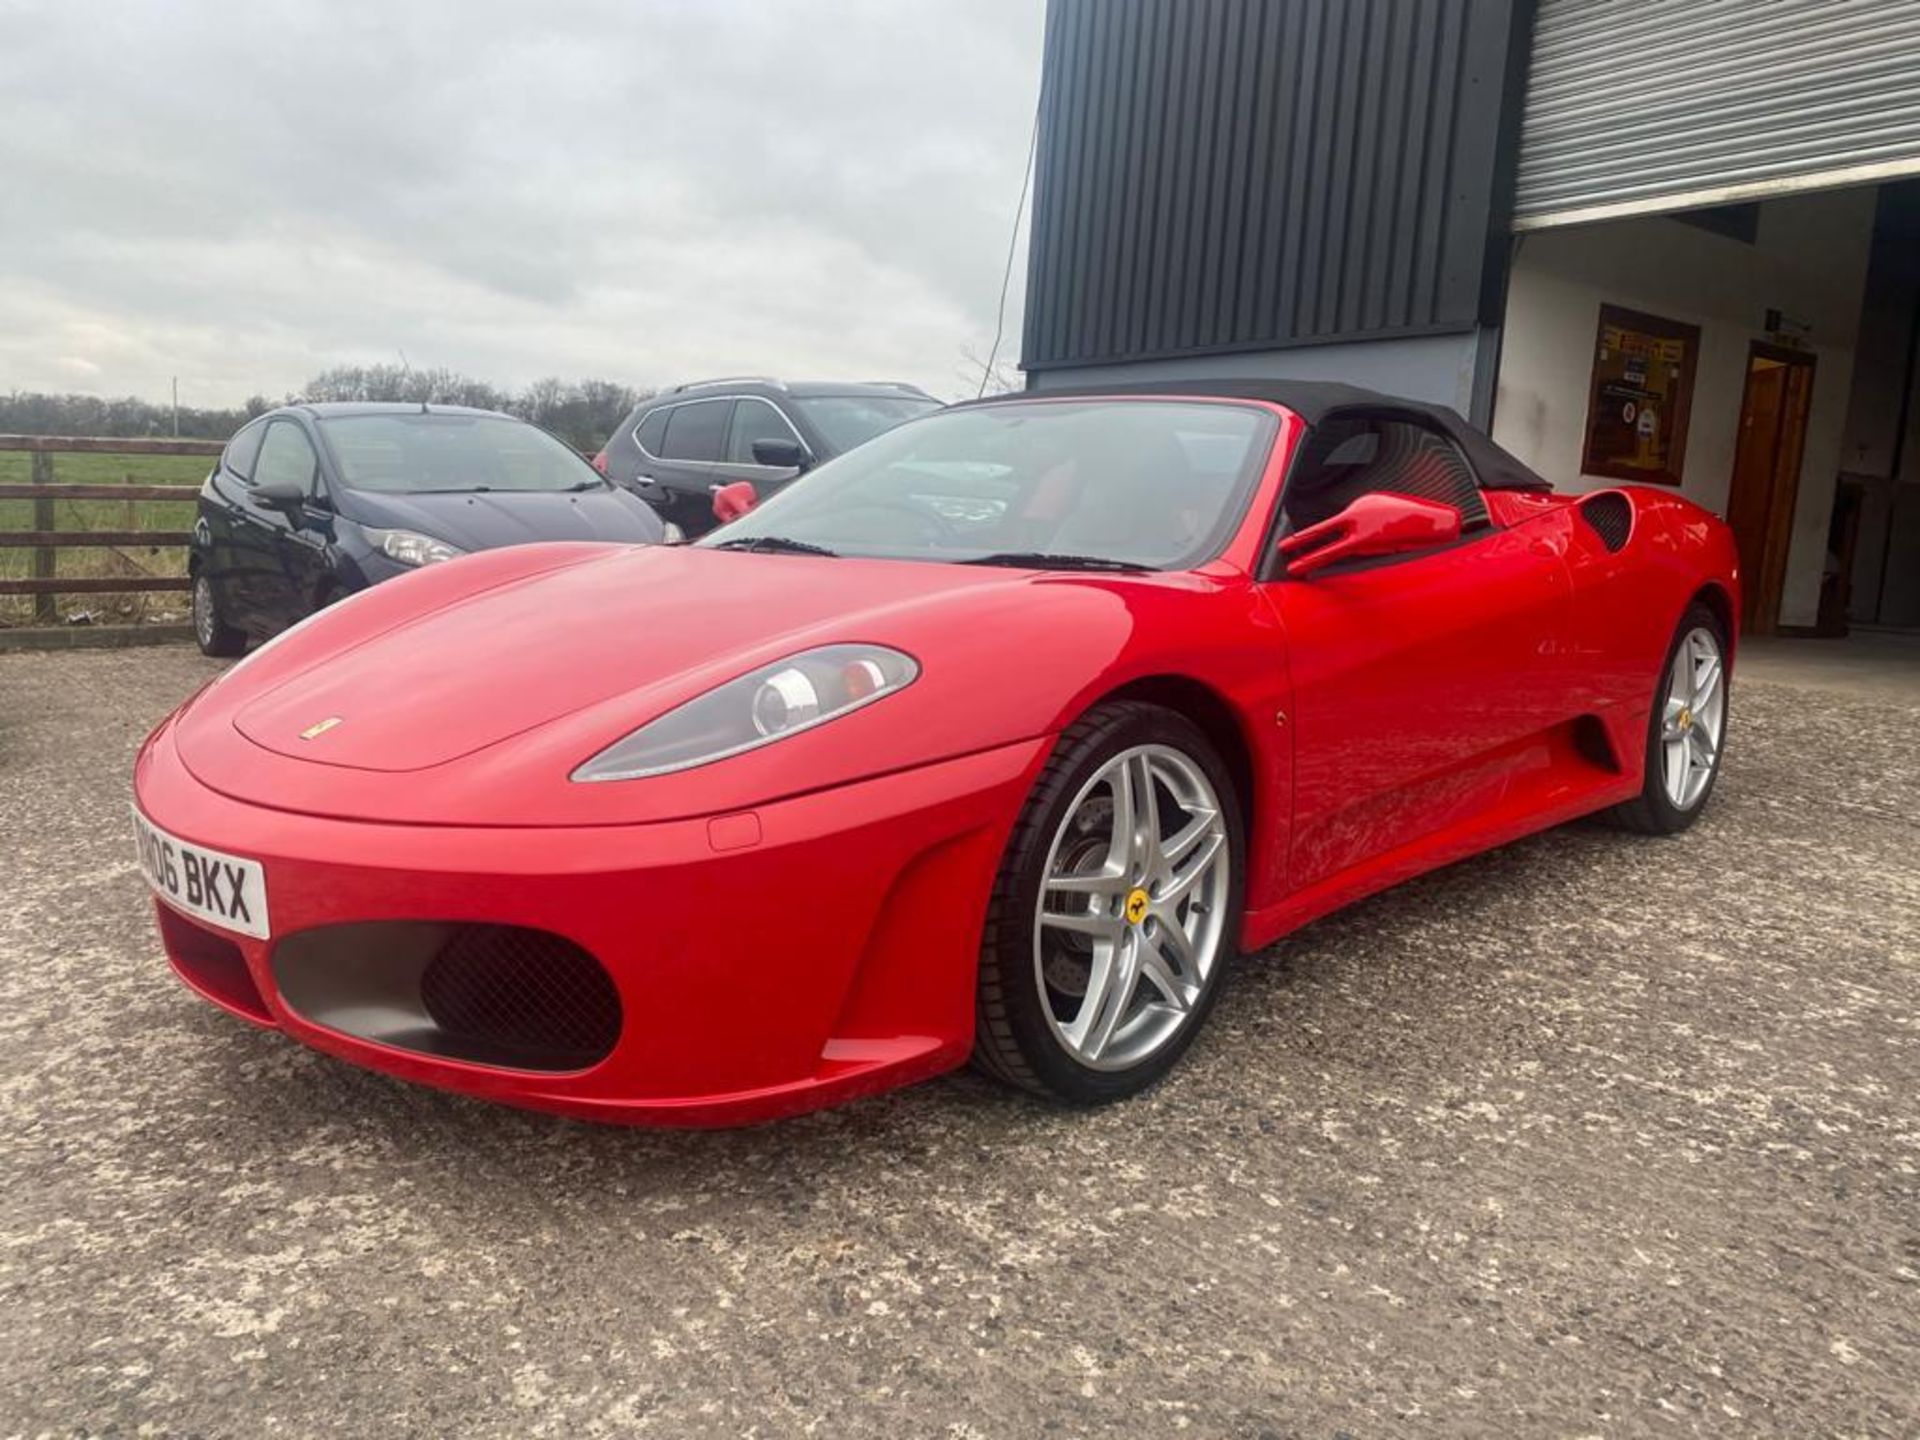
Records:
x=1113, y=918
x=210, y=629
x=1686, y=731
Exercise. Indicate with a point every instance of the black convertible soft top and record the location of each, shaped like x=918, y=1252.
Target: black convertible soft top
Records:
x=1317, y=400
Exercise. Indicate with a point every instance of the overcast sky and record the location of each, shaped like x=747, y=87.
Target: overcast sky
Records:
x=244, y=193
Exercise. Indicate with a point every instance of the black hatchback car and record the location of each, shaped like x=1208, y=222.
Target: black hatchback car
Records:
x=679, y=446
x=312, y=502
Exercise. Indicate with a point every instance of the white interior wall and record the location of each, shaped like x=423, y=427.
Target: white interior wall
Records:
x=1809, y=262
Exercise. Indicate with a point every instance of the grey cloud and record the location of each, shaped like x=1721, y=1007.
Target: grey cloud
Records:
x=245, y=193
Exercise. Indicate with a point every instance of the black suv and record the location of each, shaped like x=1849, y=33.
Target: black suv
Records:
x=678, y=447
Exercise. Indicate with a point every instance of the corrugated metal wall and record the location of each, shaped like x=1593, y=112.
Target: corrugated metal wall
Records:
x=1634, y=105
x=1245, y=174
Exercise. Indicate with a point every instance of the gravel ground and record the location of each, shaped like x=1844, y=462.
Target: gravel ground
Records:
x=1597, y=1136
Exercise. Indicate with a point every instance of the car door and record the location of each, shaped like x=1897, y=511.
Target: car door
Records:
x=649, y=438
x=224, y=524
x=1423, y=683
x=306, y=547
x=756, y=419
x=294, y=541
x=677, y=478
x=257, y=586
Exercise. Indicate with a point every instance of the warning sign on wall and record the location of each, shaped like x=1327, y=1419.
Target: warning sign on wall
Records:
x=1642, y=389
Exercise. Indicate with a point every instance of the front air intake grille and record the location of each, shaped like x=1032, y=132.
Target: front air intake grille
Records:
x=502, y=995
x=505, y=986
x=1610, y=516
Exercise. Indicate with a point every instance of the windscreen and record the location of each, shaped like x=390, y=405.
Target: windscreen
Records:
x=845, y=421
x=402, y=454
x=1153, y=484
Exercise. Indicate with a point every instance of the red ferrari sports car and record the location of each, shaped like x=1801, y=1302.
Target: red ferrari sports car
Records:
x=997, y=737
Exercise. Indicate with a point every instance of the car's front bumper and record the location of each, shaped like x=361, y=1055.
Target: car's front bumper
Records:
x=766, y=962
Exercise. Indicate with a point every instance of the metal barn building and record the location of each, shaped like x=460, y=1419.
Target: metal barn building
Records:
x=1667, y=241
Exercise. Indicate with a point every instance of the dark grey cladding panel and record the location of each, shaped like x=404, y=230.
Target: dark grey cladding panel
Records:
x=1242, y=174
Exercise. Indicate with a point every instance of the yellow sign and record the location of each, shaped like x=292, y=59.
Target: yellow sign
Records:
x=1642, y=390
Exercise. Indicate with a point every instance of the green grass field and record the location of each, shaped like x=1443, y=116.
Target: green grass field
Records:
x=16, y=468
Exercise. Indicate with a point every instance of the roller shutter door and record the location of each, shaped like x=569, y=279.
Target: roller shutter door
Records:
x=1640, y=106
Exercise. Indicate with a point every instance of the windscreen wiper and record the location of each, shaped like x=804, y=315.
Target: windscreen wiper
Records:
x=1046, y=560
x=778, y=544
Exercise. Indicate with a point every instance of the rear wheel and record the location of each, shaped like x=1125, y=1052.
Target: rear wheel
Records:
x=210, y=629
x=1685, y=733
x=1113, y=918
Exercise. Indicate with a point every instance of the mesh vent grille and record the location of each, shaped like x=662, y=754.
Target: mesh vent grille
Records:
x=1611, y=518
x=499, y=985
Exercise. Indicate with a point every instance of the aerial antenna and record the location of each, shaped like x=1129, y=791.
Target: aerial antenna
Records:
x=406, y=370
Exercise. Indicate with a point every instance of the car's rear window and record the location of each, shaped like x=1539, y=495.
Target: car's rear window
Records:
x=414, y=454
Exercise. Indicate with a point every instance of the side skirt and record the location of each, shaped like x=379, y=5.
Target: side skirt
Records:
x=1542, y=801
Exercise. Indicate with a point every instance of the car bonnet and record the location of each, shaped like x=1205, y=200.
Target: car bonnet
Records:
x=482, y=520
x=478, y=711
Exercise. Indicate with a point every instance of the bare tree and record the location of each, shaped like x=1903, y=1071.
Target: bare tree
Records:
x=542, y=400
x=581, y=412
x=1002, y=378
x=27, y=412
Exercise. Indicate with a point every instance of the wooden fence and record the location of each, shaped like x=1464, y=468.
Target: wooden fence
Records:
x=46, y=539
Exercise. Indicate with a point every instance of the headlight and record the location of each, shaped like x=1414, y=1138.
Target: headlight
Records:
x=410, y=548
x=757, y=709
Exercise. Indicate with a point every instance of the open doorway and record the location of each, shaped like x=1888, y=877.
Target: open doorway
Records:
x=1766, y=475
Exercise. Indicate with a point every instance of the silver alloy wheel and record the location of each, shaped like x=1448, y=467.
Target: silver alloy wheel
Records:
x=1133, y=910
x=203, y=609
x=1693, y=718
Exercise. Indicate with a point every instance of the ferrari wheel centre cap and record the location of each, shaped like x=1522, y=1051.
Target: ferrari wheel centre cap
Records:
x=1137, y=902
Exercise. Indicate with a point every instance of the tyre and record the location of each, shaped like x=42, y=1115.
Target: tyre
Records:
x=1686, y=733
x=1116, y=910
x=210, y=629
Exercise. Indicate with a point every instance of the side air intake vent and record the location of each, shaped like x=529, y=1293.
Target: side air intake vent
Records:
x=1610, y=515
x=506, y=989
x=488, y=994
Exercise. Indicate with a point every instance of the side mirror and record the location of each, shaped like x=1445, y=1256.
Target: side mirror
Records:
x=279, y=495
x=1382, y=523
x=780, y=452
x=730, y=502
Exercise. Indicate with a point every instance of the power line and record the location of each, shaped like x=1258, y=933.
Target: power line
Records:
x=1013, y=244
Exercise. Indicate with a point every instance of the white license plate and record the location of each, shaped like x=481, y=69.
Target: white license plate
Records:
x=224, y=890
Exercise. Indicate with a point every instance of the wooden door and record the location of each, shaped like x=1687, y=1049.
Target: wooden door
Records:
x=1766, y=476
